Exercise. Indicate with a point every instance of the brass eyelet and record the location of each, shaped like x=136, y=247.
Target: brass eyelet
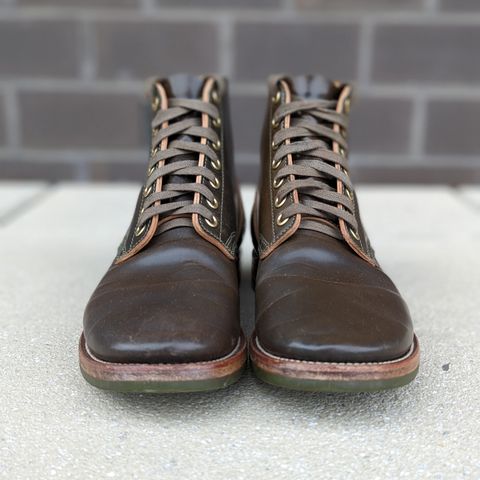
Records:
x=151, y=170
x=276, y=164
x=147, y=190
x=140, y=229
x=342, y=151
x=217, y=145
x=216, y=164
x=154, y=151
x=215, y=96
x=278, y=183
x=276, y=98
x=217, y=122
x=346, y=105
x=274, y=145
x=212, y=223
x=279, y=203
x=349, y=194
x=155, y=103
x=282, y=221
x=213, y=204
x=275, y=124
x=354, y=234
x=215, y=183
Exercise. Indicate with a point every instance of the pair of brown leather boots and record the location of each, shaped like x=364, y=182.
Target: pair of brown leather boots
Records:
x=165, y=317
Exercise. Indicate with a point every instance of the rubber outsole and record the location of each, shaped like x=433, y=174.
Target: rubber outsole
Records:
x=334, y=377
x=164, y=377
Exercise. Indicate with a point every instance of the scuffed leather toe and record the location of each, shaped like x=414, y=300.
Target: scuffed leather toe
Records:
x=174, y=302
x=319, y=302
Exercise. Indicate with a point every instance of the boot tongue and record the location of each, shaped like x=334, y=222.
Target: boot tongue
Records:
x=309, y=87
x=184, y=86
x=315, y=87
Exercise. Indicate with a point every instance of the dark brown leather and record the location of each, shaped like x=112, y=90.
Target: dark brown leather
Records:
x=227, y=233
x=319, y=298
x=176, y=299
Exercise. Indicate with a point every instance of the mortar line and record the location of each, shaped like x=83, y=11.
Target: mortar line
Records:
x=417, y=126
x=225, y=28
x=431, y=5
x=89, y=60
x=269, y=15
x=147, y=6
x=12, y=114
x=365, y=53
x=427, y=90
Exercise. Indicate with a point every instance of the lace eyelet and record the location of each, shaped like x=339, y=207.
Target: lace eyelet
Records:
x=342, y=151
x=212, y=223
x=278, y=203
x=275, y=124
x=276, y=164
x=346, y=105
x=140, y=229
x=217, y=122
x=155, y=103
x=216, y=164
x=276, y=98
x=354, y=234
x=282, y=221
x=151, y=170
x=278, y=183
x=349, y=194
x=214, y=96
x=147, y=190
x=217, y=145
x=274, y=145
x=213, y=204
x=215, y=184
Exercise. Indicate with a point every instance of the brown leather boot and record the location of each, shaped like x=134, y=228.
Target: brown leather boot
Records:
x=165, y=317
x=327, y=317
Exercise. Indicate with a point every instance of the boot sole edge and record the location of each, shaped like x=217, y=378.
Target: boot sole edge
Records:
x=162, y=377
x=334, y=377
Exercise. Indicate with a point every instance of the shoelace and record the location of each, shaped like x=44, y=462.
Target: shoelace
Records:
x=308, y=139
x=176, y=198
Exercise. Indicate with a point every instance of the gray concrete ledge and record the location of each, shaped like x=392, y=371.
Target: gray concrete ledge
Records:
x=54, y=425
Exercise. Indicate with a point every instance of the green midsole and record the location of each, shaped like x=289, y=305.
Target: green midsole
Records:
x=333, y=385
x=164, y=386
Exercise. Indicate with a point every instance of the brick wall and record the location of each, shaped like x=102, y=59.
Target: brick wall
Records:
x=72, y=79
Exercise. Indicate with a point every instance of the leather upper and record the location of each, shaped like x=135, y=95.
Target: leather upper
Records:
x=319, y=298
x=316, y=300
x=175, y=301
x=172, y=296
x=226, y=234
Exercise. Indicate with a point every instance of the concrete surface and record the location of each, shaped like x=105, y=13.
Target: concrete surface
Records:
x=54, y=425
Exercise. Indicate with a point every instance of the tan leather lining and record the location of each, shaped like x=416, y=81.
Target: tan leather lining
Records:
x=346, y=92
x=206, y=92
x=158, y=187
x=294, y=226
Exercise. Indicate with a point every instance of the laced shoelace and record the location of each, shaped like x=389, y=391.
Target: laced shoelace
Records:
x=180, y=161
x=308, y=139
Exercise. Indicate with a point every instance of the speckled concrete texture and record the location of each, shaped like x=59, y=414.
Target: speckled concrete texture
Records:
x=54, y=425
